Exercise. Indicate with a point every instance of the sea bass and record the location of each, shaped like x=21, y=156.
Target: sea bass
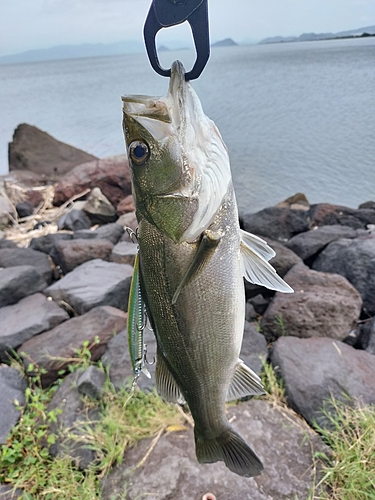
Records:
x=192, y=259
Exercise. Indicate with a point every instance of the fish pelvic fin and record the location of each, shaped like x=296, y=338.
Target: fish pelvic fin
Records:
x=230, y=448
x=165, y=383
x=244, y=383
x=255, y=254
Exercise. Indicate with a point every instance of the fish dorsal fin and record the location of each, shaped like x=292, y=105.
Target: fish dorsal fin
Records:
x=255, y=253
x=207, y=246
x=165, y=383
x=244, y=383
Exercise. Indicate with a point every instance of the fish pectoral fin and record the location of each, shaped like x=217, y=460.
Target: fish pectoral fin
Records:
x=244, y=383
x=165, y=383
x=207, y=246
x=258, y=245
x=258, y=271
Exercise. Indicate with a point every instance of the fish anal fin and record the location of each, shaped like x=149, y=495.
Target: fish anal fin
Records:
x=207, y=246
x=244, y=383
x=165, y=383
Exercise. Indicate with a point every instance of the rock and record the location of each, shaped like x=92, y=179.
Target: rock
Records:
x=93, y=284
x=12, y=257
x=283, y=443
x=111, y=175
x=296, y=202
x=7, y=211
x=91, y=382
x=74, y=220
x=117, y=360
x=315, y=369
x=259, y=303
x=124, y=253
x=71, y=253
x=254, y=348
x=99, y=209
x=47, y=244
x=284, y=259
x=34, y=197
x=111, y=232
x=324, y=214
x=9, y=493
x=30, y=316
x=322, y=305
x=18, y=282
x=366, y=336
x=24, y=209
x=72, y=417
x=354, y=259
x=53, y=349
x=276, y=223
x=368, y=205
x=310, y=243
x=4, y=243
x=36, y=151
x=12, y=390
x=126, y=205
x=250, y=312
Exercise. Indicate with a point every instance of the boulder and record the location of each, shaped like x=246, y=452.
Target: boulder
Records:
x=315, y=369
x=24, y=209
x=74, y=220
x=54, y=349
x=4, y=243
x=34, y=197
x=322, y=305
x=128, y=220
x=368, y=205
x=310, y=243
x=111, y=175
x=19, y=282
x=71, y=253
x=277, y=223
x=93, y=284
x=126, y=205
x=124, y=253
x=91, y=382
x=98, y=208
x=12, y=257
x=354, y=259
x=30, y=316
x=254, y=348
x=36, y=151
x=282, y=441
x=298, y=202
x=111, y=232
x=324, y=214
x=366, y=336
x=47, y=244
x=284, y=259
x=12, y=390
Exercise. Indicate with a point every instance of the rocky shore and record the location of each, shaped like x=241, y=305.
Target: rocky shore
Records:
x=65, y=269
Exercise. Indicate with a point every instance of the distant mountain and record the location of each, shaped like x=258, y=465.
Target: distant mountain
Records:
x=227, y=42
x=74, y=52
x=307, y=37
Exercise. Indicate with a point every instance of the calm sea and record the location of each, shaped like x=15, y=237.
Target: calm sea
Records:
x=295, y=117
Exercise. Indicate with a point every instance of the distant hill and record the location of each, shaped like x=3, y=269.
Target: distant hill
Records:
x=227, y=42
x=307, y=37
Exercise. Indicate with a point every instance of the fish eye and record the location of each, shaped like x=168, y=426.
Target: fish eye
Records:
x=139, y=152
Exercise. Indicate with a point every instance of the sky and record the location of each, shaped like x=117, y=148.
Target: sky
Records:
x=34, y=24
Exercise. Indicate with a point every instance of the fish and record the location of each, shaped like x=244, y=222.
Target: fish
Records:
x=192, y=260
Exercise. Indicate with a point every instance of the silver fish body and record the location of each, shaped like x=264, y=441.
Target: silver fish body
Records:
x=193, y=257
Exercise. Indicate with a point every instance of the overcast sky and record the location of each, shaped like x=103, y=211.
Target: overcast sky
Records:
x=32, y=24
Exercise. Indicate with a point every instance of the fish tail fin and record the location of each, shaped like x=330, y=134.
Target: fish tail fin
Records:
x=230, y=448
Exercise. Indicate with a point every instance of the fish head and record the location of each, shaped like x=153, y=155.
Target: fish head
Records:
x=178, y=160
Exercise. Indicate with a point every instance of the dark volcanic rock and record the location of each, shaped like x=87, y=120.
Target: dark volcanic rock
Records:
x=310, y=243
x=24, y=209
x=172, y=472
x=18, y=282
x=322, y=305
x=368, y=205
x=354, y=259
x=12, y=390
x=126, y=205
x=52, y=349
x=93, y=284
x=254, y=348
x=71, y=253
x=30, y=316
x=4, y=243
x=315, y=369
x=35, y=150
x=124, y=253
x=284, y=259
x=277, y=223
x=74, y=220
x=324, y=214
x=12, y=257
x=47, y=244
x=366, y=337
x=111, y=175
x=111, y=232
x=91, y=382
x=98, y=208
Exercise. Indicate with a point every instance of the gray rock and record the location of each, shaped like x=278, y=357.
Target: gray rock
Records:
x=366, y=336
x=250, y=312
x=91, y=382
x=93, y=284
x=47, y=244
x=277, y=223
x=283, y=442
x=117, y=359
x=70, y=423
x=53, y=349
x=254, y=348
x=284, y=259
x=124, y=253
x=260, y=303
x=99, y=209
x=128, y=220
x=324, y=214
x=368, y=205
x=74, y=220
x=18, y=282
x=69, y=254
x=12, y=257
x=311, y=242
x=24, y=209
x=354, y=259
x=30, y=316
x=10, y=493
x=316, y=368
x=322, y=305
x=4, y=243
x=12, y=390
x=111, y=232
